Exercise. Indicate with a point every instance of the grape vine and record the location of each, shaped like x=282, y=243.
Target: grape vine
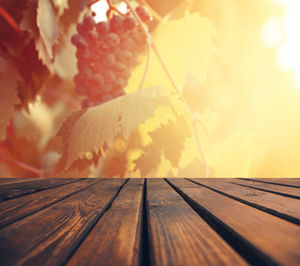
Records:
x=106, y=52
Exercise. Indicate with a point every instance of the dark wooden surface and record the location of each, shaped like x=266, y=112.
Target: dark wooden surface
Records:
x=150, y=222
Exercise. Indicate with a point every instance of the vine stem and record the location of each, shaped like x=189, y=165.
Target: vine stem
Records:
x=24, y=166
x=10, y=20
x=162, y=62
x=112, y=8
x=146, y=66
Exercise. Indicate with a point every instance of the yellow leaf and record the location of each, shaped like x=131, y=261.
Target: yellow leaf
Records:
x=88, y=130
x=167, y=140
x=48, y=26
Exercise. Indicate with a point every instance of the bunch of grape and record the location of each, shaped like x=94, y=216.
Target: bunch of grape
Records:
x=106, y=53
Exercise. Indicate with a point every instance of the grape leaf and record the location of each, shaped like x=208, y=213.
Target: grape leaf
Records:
x=47, y=23
x=169, y=140
x=113, y=165
x=9, y=78
x=39, y=19
x=149, y=160
x=29, y=23
x=88, y=130
x=21, y=50
x=118, y=159
x=71, y=13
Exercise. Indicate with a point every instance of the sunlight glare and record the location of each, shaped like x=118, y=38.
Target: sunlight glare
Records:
x=288, y=55
x=272, y=32
x=122, y=7
x=100, y=8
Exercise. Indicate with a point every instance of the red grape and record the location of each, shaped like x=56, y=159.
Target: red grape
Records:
x=106, y=52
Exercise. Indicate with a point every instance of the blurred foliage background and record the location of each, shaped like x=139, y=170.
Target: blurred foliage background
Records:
x=244, y=84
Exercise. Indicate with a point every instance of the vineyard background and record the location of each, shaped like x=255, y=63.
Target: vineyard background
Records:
x=235, y=62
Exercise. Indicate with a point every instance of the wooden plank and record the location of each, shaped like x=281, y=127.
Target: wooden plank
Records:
x=286, y=208
x=49, y=236
x=115, y=239
x=178, y=235
x=293, y=182
x=10, y=191
x=278, y=240
x=284, y=191
x=14, y=180
x=15, y=209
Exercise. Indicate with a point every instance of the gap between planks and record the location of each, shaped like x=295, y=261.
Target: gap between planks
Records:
x=273, y=240
x=17, y=208
x=285, y=208
x=144, y=223
x=284, y=191
x=287, y=182
x=15, y=190
x=49, y=236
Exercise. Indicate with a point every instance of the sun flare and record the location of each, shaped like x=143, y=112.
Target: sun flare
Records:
x=283, y=32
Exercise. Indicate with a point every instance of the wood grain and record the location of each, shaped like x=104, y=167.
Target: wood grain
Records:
x=178, y=235
x=15, y=209
x=283, y=191
x=103, y=222
x=49, y=236
x=116, y=237
x=294, y=182
x=9, y=191
x=277, y=239
x=4, y=181
x=284, y=207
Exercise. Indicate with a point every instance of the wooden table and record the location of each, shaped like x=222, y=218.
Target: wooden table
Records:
x=149, y=222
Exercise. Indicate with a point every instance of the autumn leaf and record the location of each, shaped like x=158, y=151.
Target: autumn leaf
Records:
x=149, y=160
x=47, y=23
x=71, y=13
x=113, y=165
x=39, y=19
x=117, y=160
x=29, y=23
x=9, y=77
x=168, y=139
x=88, y=130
